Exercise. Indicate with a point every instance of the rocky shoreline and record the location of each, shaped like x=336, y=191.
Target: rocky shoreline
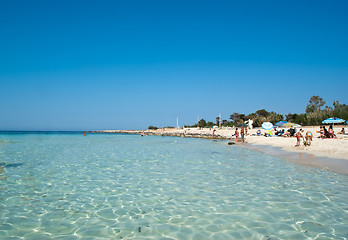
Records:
x=190, y=133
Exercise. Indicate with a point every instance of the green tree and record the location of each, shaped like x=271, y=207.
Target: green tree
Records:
x=262, y=112
x=315, y=103
x=202, y=123
x=235, y=117
x=242, y=117
x=251, y=116
x=226, y=123
x=257, y=122
x=209, y=124
x=217, y=121
x=291, y=117
x=340, y=110
x=274, y=117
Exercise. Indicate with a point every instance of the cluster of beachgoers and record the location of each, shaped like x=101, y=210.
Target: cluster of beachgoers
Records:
x=315, y=140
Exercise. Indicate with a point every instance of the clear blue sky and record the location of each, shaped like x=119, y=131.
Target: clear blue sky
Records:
x=86, y=65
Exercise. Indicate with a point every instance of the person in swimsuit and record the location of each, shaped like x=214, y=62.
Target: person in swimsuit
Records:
x=287, y=133
x=309, y=137
x=321, y=132
x=298, y=137
x=326, y=132
x=236, y=133
x=342, y=131
x=242, y=133
x=331, y=133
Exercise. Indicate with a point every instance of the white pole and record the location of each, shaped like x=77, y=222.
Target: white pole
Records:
x=220, y=120
x=177, y=123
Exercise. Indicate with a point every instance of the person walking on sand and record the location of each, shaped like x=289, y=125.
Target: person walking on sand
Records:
x=298, y=137
x=236, y=133
x=242, y=133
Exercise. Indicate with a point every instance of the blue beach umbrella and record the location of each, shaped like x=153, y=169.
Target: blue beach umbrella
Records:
x=333, y=120
x=267, y=125
x=280, y=123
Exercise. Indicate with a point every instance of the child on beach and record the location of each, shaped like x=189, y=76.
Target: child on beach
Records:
x=236, y=133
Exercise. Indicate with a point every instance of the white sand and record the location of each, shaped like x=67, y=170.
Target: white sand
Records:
x=332, y=148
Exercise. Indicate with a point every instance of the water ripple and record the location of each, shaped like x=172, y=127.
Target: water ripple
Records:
x=57, y=186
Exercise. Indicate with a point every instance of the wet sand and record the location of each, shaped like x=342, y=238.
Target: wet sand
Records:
x=337, y=165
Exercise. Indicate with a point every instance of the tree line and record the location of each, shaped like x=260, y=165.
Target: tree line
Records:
x=314, y=115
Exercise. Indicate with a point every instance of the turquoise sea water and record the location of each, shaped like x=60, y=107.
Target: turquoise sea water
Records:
x=114, y=186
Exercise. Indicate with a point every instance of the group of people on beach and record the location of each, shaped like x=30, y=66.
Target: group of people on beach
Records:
x=329, y=133
x=243, y=132
x=307, y=138
x=324, y=133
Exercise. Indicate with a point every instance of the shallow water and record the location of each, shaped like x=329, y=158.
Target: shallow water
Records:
x=114, y=186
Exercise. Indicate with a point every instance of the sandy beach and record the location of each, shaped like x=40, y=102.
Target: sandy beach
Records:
x=334, y=149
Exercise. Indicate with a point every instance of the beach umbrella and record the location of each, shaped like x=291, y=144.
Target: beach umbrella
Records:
x=280, y=123
x=290, y=124
x=267, y=125
x=333, y=120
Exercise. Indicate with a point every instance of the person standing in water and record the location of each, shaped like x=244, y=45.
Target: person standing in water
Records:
x=236, y=133
x=242, y=133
